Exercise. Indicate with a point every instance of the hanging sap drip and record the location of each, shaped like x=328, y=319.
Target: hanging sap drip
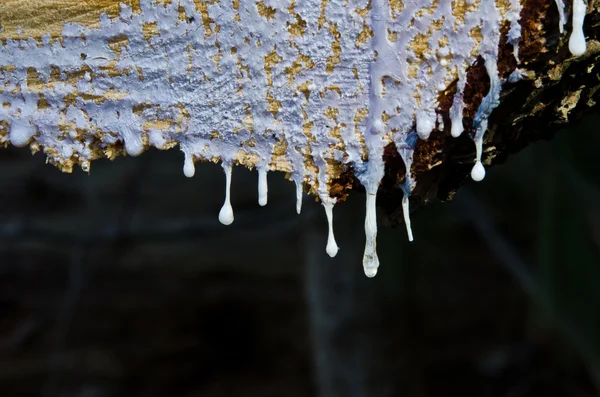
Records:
x=406, y=151
x=298, y=197
x=226, y=213
x=188, y=165
x=577, y=44
x=370, y=259
x=456, y=111
x=332, y=248
x=561, y=15
x=425, y=123
x=406, y=213
x=263, y=188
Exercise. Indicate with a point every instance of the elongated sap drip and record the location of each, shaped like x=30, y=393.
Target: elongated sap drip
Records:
x=425, y=124
x=188, y=165
x=478, y=171
x=406, y=150
x=298, y=197
x=577, y=44
x=332, y=248
x=456, y=111
x=370, y=259
x=561, y=15
x=263, y=188
x=226, y=213
x=480, y=122
x=514, y=33
x=406, y=213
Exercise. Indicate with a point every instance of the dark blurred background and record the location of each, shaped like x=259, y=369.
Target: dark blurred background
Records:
x=123, y=283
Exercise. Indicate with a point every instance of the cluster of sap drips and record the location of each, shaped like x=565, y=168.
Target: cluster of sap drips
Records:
x=424, y=124
x=333, y=79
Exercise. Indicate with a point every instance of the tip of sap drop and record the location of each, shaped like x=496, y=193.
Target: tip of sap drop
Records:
x=226, y=215
x=424, y=126
x=262, y=188
x=478, y=172
x=456, y=129
x=371, y=273
x=577, y=44
x=332, y=249
x=188, y=168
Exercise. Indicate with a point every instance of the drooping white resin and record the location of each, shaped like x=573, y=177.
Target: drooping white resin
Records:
x=478, y=171
x=425, y=124
x=406, y=150
x=514, y=33
x=263, y=187
x=21, y=133
x=298, y=197
x=370, y=259
x=577, y=43
x=332, y=247
x=197, y=75
x=561, y=15
x=456, y=111
x=188, y=166
x=406, y=213
x=226, y=213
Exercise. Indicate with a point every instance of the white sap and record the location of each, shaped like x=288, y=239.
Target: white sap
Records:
x=478, y=171
x=577, y=40
x=370, y=259
x=263, y=188
x=21, y=132
x=561, y=14
x=188, y=165
x=226, y=213
x=406, y=213
x=298, y=197
x=332, y=248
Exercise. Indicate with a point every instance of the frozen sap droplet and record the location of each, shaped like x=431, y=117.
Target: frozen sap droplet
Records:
x=425, y=124
x=457, y=127
x=478, y=171
x=298, y=197
x=370, y=259
x=188, y=165
x=263, y=188
x=332, y=248
x=561, y=14
x=21, y=132
x=406, y=213
x=133, y=145
x=226, y=213
x=577, y=44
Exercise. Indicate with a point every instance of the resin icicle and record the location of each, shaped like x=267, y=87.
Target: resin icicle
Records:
x=370, y=259
x=226, y=213
x=332, y=248
x=456, y=111
x=561, y=15
x=188, y=165
x=263, y=187
x=406, y=150
x=577, y=44
x=406, y=213
x=298, y=197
